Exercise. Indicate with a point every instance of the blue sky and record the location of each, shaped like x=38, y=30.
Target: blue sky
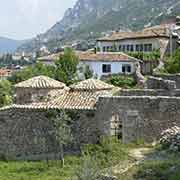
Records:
x=22, y=19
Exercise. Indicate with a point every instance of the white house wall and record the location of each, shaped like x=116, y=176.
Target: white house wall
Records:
x=116, y=67
x=154, y=41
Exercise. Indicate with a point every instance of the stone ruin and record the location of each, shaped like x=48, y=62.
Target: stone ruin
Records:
x=170, y=138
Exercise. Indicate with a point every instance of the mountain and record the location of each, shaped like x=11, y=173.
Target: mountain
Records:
x=89, y=19
x=9, y=45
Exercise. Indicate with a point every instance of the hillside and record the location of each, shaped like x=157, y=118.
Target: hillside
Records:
x=9, y=45
x=89, y=18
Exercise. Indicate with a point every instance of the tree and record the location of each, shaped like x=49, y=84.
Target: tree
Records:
x=66, y=67
x=31, y=71
x=89, y=169
x=173, y=63
x=5, y=93
x=88, y=73
x=62, y=133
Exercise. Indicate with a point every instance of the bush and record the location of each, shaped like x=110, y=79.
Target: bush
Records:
x=172, y=65
x=122, y=81
x=155, y=55
x=5, y=93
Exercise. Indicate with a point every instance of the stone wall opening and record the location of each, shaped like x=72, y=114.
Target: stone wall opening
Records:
x=116, y=126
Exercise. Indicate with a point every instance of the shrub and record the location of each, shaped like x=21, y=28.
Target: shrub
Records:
x=172, y=65
x=122, y=81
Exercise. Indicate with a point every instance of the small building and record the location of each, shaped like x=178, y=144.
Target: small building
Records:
x=147, y=40
x=37, y=89
x=102, y=64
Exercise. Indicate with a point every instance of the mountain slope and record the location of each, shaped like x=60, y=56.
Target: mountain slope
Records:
x=89, y=18
x=9, y=45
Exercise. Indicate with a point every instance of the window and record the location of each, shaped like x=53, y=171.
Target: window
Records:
x=139, y=47
x=106, y=68
x=126, y=68
x=104, y=49
x=128, y=47
x=131, y=48
x=120, y=48
x=124, y=48
x=147, y=47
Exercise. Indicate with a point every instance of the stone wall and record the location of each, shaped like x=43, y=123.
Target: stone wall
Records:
x=31, y=95
x=159, y=83
x=27, y=134
x=148, y=66
x=142, y=117
x=148, y=92
x=172, y=77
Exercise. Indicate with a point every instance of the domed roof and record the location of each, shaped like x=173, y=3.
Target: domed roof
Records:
x=92, y=84
x=40, y=82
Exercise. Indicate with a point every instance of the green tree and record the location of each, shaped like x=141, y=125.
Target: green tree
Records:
x=62, y=133
x=173, y=63
x=88, y=73
x=66, y=67
x=89, y=169
x=5, y=93
x=31, y=71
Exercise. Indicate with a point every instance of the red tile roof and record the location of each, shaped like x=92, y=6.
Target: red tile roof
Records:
x=91, y=56
x=5, y=72
x=40, y=82
x=152, y=32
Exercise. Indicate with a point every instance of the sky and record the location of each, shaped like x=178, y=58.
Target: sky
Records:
x=24, y=19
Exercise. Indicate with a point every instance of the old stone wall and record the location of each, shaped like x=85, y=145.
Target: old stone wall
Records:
x=148, y=66
x=172, y=77
x=148, y=92
x=31, y=95
x=142, y=117
x=27, y=134
x=159, y=83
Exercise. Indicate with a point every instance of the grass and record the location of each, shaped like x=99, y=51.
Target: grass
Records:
x=38, y=170
x=165, y=169
x=109, y=152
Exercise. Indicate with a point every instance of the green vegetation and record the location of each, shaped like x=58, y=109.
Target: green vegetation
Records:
x=66, y=67
x=5, y=93
x=155, y=55
x=7, y=61
x=167, y=168
x=172, y=64
x=62, y=133
x=122, y=81
x=31, y=71
x=102, y=157
x=88, y=73
x=107, y=153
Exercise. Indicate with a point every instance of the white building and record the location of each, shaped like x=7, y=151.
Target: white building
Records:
x=101, y=64
x=148, y=40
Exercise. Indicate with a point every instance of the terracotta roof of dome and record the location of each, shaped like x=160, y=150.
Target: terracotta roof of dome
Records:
x=40, y=82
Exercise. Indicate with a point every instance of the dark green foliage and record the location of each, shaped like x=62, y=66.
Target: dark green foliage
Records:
x=173, y=63
x=122, y=81
x=89, y=169
x=5, y=93
x=62, y=133
x=88, y=73
x=31, y=71
x=66, y=67
x=155, y=55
